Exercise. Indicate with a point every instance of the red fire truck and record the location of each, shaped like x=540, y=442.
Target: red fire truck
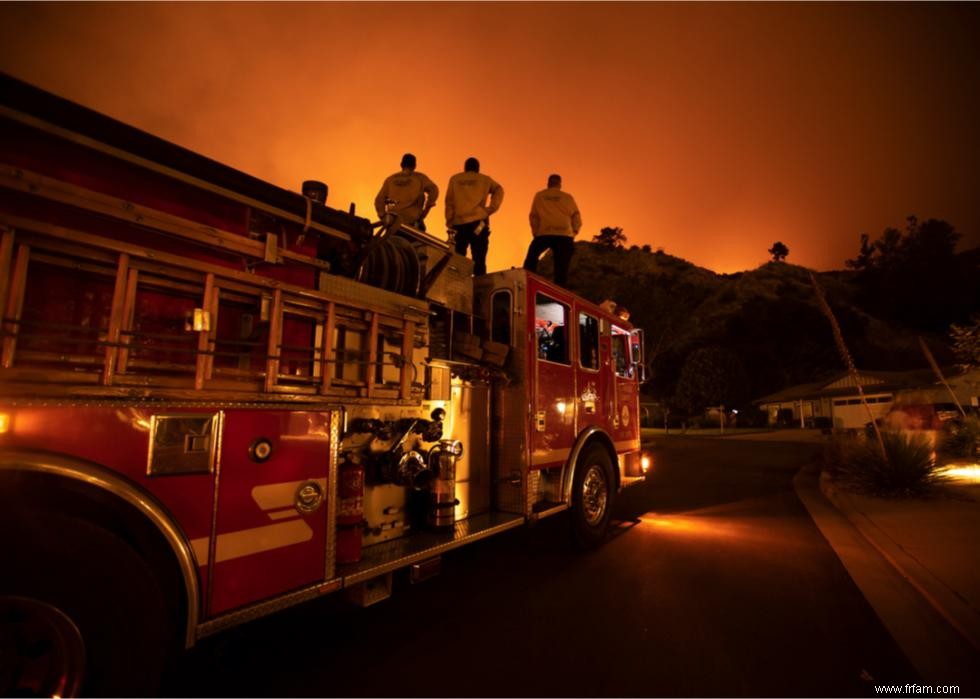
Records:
x=219, y=398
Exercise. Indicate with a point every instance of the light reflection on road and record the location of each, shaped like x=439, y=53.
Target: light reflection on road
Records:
x=728, y=524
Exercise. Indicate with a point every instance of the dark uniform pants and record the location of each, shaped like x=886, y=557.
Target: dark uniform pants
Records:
x=467, y=236
x=561, y=246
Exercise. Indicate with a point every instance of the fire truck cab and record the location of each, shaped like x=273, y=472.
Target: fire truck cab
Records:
x=220, y=398
x=566, y=420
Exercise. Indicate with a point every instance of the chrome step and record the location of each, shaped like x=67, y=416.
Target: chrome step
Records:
x=546, y=509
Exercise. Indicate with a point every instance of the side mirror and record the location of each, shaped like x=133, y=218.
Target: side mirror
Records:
x=636, y=352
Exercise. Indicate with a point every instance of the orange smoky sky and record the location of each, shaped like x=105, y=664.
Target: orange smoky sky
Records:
x=710, y=130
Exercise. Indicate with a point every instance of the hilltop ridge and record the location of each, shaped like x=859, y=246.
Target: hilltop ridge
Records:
x=763, y=325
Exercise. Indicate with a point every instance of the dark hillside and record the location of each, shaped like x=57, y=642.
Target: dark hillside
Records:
x=762, y=325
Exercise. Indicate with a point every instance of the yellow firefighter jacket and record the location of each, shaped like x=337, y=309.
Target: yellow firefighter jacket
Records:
x=409, y=190
x=554, y=212
x=466, y=198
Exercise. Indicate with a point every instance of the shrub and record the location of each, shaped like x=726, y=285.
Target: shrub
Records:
x=753, y=417
x=675, y=422
x=963, y=437
x=840, y=444
x=909, y=469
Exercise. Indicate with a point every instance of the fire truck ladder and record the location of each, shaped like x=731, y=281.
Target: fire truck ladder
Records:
x=88, y=315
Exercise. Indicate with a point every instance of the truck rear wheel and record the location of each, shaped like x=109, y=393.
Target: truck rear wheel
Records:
x=80, y=611
x=592, y=495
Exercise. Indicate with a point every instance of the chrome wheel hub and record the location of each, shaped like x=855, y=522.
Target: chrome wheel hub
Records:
x=595, y=494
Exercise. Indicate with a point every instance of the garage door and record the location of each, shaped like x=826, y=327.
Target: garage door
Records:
x=849, y=413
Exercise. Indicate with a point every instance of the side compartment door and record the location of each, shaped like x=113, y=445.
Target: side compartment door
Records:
x=271, y=526
x=553, y=390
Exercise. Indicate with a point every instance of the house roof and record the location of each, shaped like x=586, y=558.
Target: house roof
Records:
x=844, y=384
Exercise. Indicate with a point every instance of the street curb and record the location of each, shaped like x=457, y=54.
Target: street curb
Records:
x=944, y=600
x=938, y=650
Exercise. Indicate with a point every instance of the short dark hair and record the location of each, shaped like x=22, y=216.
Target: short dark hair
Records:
x=471, y=165
x=408, y=160
x=553, y=180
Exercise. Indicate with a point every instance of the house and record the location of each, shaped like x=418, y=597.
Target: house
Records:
x=965, y=385
x=836, y=402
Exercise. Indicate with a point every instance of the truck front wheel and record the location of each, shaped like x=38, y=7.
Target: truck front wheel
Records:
x=592, y=495
x=80, y=611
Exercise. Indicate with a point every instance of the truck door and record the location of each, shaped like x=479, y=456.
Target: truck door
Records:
x=553, y=381
x=592, y=385
x=625, y=420
x=271, y=524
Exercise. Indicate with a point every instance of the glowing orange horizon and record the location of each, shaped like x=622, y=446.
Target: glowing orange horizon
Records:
x=708, y=130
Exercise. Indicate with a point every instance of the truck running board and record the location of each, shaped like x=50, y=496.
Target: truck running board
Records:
x=547, y=509
x=399, y=553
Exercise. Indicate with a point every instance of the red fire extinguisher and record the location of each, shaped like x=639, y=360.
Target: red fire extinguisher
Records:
x=350, y=509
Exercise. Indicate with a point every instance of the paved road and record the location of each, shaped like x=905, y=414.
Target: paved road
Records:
x=716, y=583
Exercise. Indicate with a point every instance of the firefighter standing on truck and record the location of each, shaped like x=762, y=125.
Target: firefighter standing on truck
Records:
x=468, y=213
x=555, y=221
x=409, y=194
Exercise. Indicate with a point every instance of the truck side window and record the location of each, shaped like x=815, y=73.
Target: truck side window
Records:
x=500, y=317
x=621, y=353
x=550, y=329
x=588, y=341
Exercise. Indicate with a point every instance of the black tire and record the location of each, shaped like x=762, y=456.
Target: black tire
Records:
x=593, y=489
x=63, y=573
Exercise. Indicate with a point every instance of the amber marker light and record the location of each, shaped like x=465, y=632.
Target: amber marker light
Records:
x=645, y=462
x=4, y=423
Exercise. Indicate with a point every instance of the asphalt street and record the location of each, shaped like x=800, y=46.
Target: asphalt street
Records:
x=715, y=582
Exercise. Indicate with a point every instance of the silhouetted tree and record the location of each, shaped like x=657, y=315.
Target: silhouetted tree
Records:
x=711, y=376
x=610, y=237
x=865, y=256
x=915, y=277
x=887, y=251
x=894, y=250
x=778, y=251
